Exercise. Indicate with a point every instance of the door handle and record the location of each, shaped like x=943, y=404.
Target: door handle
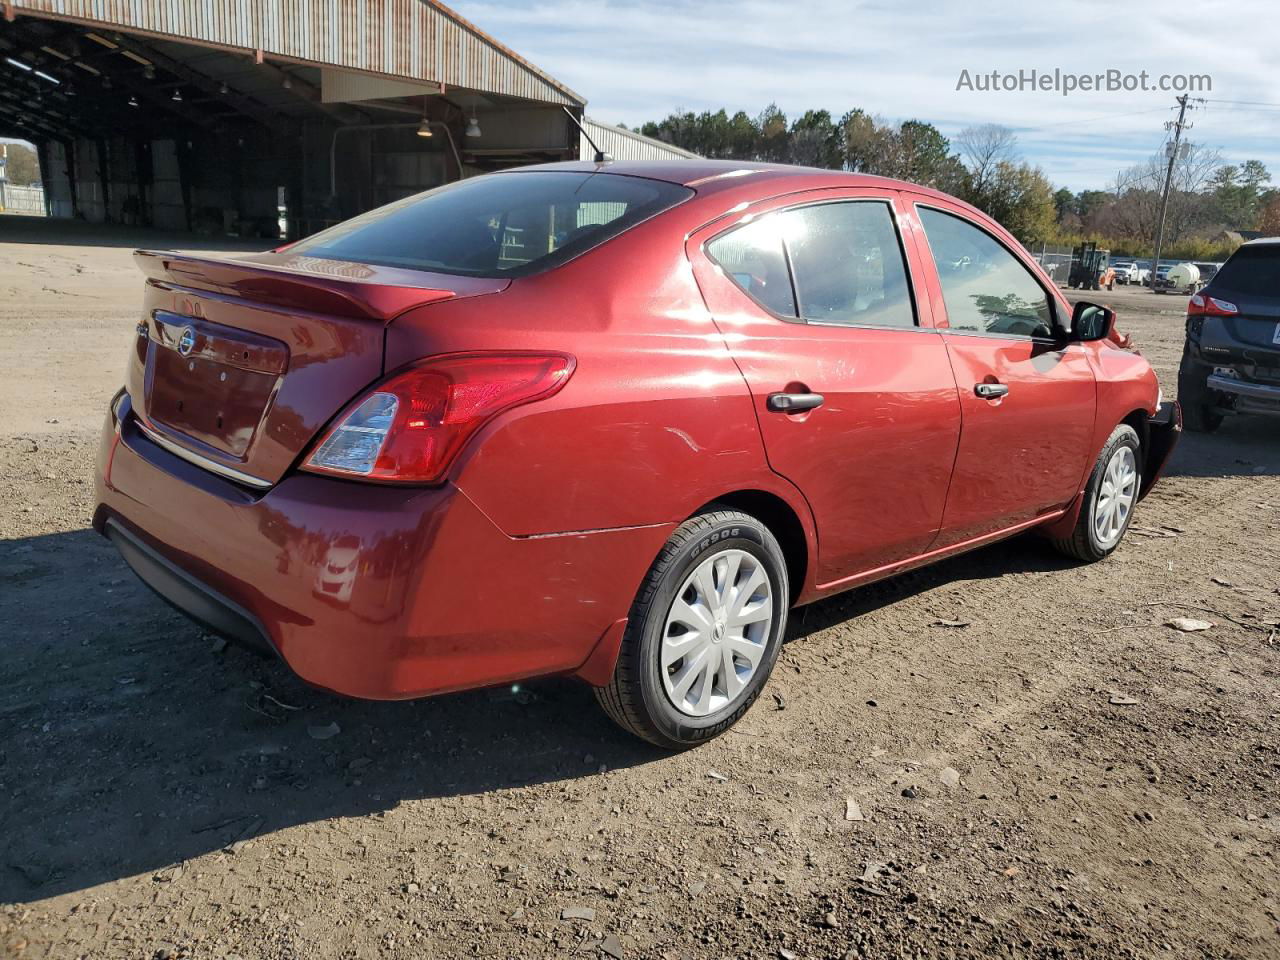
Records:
x=793, y=402
x=990, y=391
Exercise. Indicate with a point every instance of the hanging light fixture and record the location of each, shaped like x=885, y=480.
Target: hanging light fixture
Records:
x=473, y=125
x=424, y=128
x=288, y=82
x=177, y=95
x=133, y=101
x=222, y=88
x=149, y=72
x=106, y=83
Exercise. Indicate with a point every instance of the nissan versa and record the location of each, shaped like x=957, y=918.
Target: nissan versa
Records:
x=608, y=420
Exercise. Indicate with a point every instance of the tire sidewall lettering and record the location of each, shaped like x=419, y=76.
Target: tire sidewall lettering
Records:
x=741, y=536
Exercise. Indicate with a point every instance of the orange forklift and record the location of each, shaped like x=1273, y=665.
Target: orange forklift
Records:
x=1091, y=268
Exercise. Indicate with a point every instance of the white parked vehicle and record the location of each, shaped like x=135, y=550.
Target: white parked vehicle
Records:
x=1127, y=271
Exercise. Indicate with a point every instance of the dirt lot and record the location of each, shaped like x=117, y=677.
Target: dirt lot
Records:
x=163, y=797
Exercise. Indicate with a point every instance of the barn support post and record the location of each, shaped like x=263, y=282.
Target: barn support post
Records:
x=183, y=154
x=69, y=158
x=103, y=179
x=42, y=158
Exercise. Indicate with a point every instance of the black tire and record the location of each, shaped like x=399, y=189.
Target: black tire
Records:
x=1198, y=413
x=1083, y=544
x=635, y=698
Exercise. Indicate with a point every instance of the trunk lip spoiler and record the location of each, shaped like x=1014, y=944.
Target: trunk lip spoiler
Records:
x=382, y=295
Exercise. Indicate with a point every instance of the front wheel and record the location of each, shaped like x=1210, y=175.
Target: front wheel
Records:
x=703, y=633
x=1109, y=498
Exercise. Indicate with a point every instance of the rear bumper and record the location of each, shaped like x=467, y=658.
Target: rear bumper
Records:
x=184, y=592
x=370, y=591
x=1250, y=397
x=1163, y=431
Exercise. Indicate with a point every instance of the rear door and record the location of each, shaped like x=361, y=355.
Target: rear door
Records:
x=852, y=387
x=1028, y=400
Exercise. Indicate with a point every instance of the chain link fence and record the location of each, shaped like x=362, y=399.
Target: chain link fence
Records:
x=28, y=201
x=1055, y=258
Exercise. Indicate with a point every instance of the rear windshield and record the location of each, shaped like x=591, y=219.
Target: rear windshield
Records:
x=503, y=225
x=1252, y=271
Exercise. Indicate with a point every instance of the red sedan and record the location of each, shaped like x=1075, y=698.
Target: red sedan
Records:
x=613, y=421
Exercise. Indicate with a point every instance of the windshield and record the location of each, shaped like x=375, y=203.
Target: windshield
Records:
x=502, y=225
x=1252, y=271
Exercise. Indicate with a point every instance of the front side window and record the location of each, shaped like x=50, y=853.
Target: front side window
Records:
x=985, y=287
x=845, y=264
x=510, y=224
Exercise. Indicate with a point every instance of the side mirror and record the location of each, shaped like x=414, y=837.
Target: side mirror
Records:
x=1091, y=322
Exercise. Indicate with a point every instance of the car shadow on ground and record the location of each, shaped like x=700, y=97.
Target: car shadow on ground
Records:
x=1027, y=553
x=131, y=743
x=1243, y=446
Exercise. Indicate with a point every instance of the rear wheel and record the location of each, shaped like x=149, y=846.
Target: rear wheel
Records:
x=1109, y=498
x=703, y=633
x=1198, y=411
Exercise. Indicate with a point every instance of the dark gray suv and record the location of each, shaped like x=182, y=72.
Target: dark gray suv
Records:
x=1231, y=361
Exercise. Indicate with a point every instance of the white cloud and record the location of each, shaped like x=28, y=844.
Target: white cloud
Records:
x=640, y=61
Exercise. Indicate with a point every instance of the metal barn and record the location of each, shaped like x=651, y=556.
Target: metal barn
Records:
x=266, y=118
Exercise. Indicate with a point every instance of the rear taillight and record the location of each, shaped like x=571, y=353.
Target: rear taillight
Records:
x=409, y=428
x=1203, y=305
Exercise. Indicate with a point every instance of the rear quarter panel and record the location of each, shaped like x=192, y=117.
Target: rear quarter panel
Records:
x=656, y=420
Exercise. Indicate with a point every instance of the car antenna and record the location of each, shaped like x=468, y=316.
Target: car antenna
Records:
x=601, y=156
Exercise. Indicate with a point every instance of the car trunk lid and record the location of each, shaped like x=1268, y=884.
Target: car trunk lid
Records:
x=240, y=361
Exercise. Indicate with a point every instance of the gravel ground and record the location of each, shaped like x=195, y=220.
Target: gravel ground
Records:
x=1062, y=776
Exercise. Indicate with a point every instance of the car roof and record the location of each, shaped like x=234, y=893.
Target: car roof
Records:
x=1262, y=242
x=709, y=176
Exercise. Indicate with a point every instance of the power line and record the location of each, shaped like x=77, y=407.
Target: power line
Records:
x=1246, y=103
x=1106, y=116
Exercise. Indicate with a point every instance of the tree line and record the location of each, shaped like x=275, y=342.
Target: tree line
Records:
x=982, y=166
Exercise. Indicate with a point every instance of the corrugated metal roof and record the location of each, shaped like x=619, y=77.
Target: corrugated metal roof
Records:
x=627, y=144
x=414, y=39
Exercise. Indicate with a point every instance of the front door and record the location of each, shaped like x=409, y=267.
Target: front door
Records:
x=1028, y=399
x=855, y=397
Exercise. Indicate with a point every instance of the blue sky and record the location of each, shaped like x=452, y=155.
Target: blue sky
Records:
x=637, y=61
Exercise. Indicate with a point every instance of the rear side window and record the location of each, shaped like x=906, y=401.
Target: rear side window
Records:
x=985, y=287
x=510, y=225
x=848, y=265
x=752, y=257
x=1252, y=271
x=845, y=264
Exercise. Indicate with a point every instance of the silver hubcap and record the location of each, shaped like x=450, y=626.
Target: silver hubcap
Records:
x=1116, y=496
x=716, y=632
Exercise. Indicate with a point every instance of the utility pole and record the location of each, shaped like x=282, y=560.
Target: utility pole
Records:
x=1172, y=149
